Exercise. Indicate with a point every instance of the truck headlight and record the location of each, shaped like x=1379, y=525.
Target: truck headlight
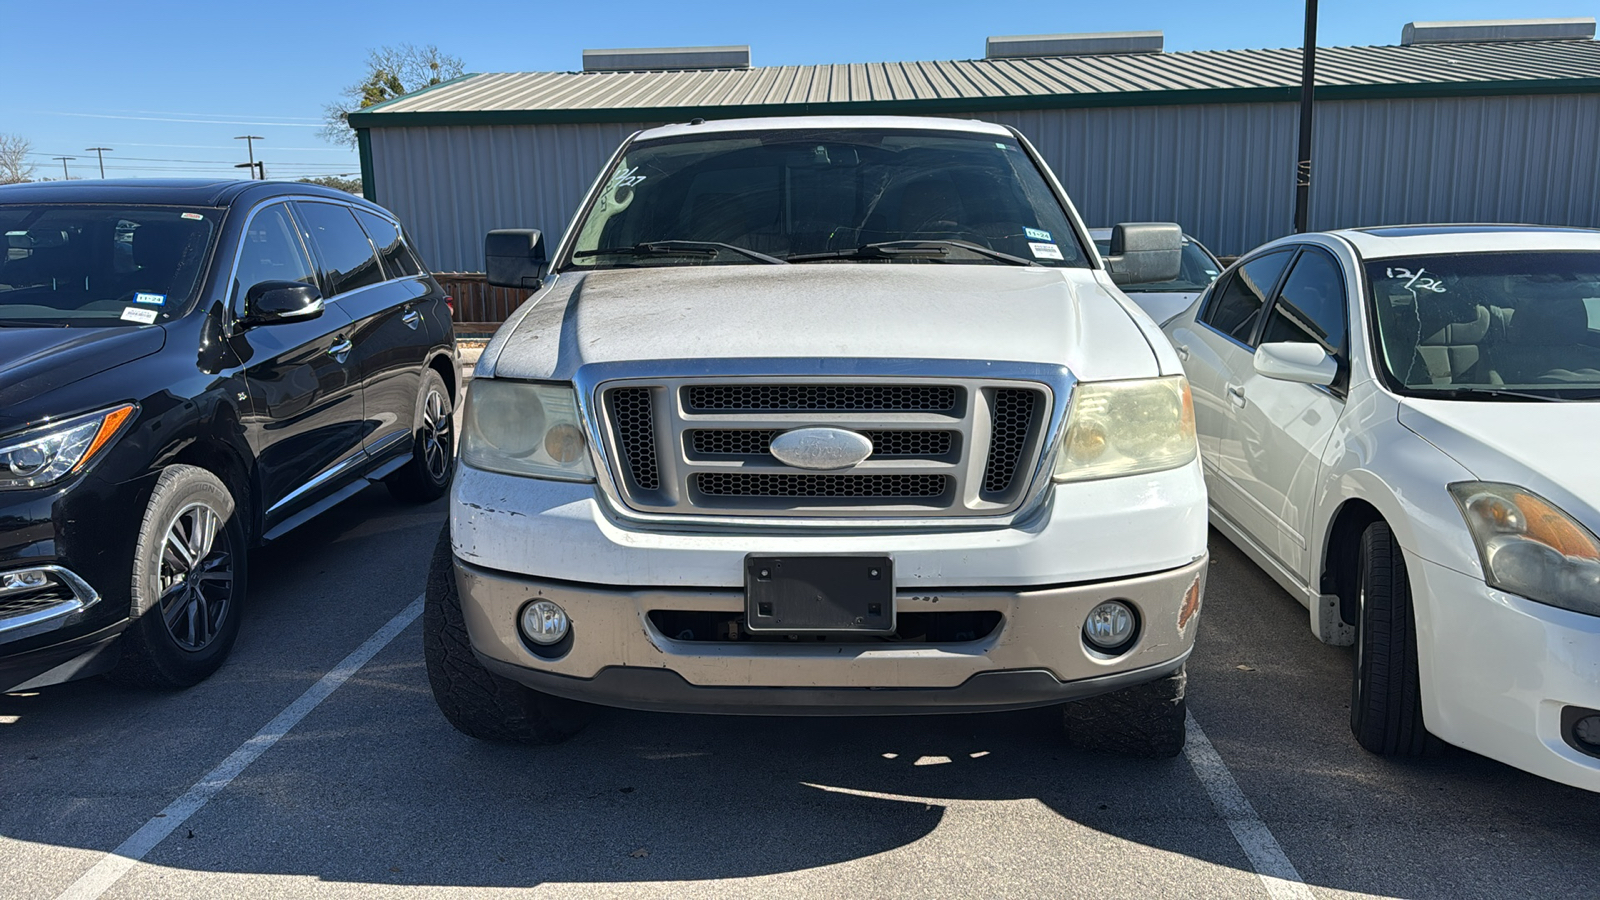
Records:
x=46, y=455
x=1530, y=547
x=1127, y=428
x=522, y=428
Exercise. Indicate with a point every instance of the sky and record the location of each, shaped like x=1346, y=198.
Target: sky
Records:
x=168, y=85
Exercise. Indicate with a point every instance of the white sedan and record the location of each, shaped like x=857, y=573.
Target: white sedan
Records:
x=1402, y=426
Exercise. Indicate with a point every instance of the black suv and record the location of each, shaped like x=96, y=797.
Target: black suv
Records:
x=189, y=368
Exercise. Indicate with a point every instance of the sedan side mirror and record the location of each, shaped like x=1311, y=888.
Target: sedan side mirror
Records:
x=514, y=258
x=1145, y=252
x=1299, y=362
x=272, y=302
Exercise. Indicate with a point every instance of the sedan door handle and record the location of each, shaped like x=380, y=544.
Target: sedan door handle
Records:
x=341, y=350
x=412, y=318
x=1183, y=350
x=1236, y=395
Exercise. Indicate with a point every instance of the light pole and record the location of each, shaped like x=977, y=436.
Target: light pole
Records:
x=250, y=147
x=64, y=175
x=1308, y=80
x=101, y=153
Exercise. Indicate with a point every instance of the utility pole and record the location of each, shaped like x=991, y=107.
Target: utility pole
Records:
x=254, y=168
x=101, y=153
x=250, y=146
x=1308, y=80
x=64, y=175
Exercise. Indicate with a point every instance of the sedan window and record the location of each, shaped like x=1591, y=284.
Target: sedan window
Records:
x=1236, y=307
x=1311, y=306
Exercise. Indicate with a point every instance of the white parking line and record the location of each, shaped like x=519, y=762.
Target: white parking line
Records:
x=1277, y=873
x=113, y=866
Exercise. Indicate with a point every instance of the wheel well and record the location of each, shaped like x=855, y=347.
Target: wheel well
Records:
x=1340, y=557
x=226, y=464
x=446, y=368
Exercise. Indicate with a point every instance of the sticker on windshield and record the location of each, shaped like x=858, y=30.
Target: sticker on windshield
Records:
x=1036, y=234
x=136, y=314
x=152, y=299
x=195, y=216
x=1045, y=251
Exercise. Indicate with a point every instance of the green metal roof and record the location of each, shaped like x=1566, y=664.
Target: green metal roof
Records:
x=1206, y=76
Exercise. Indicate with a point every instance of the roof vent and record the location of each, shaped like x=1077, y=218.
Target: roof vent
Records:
x=667, y=59
x=1102, y=43
x=1488, y=30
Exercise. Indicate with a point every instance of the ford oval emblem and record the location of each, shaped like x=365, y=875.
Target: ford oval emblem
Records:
x=821, y=448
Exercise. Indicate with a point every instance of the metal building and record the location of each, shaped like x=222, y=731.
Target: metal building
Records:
x=1494, y=122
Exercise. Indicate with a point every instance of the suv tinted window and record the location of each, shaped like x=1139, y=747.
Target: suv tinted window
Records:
x=397, y=258
x=1236, y=306
x=346, y=253
x=271, y=252
x=1310, y=308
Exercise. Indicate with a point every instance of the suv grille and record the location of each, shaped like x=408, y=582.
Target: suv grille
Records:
x=783, y=397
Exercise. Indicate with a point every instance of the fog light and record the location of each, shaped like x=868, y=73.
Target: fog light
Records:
x=28, y=580
x=544, y=623
x=1110, y=625
x=1588, y=731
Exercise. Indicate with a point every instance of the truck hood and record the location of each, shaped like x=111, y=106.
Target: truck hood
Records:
x=835, y=310
x=1547, y=448
x=35, y=361
x=1163, y=306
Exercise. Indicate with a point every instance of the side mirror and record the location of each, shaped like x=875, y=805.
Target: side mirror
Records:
x=1145, y=252
x=271, y=302
x=1300, y=362
x=514, y=258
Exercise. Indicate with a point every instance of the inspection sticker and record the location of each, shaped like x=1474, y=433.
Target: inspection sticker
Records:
x=136, y=314
x=153, y=299
x=1045, y=251
x=1036, y=234
x=195, y=216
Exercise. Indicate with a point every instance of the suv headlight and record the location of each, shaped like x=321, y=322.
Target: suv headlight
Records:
x=48, y=454
x=522, y=428
x=1531, y=548
x=1127, y=428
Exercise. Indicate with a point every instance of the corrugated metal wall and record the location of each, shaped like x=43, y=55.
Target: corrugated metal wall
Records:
x=1225, y=171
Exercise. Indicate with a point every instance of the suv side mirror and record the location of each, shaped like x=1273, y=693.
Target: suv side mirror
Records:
x=272, y=302
x=514, y=258
x=1145, y=252
x=1294, y=361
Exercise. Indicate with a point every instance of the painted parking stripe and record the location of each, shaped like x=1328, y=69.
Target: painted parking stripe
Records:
x=114, y=865
x=1277, y=873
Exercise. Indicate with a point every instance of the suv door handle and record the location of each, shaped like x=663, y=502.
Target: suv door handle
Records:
x=411, y=318
x=1236, y=395
x=341, y=350
x=1183, y=350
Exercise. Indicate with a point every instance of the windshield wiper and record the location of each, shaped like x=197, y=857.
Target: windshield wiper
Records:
x=31, y=323
x=679, y=248
x=1468, y=393
x=913, y=249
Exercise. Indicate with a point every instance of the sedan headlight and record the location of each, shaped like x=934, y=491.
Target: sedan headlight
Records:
x=1531, y=548
x=1127, y=428
x=521, y=428
x=48, y=454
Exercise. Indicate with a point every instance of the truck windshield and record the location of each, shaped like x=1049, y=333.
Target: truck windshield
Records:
x=894, y=196
x=1490, y=326
x=98, y=265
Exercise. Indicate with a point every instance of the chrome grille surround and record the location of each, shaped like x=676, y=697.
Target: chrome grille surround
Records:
x=680, y=503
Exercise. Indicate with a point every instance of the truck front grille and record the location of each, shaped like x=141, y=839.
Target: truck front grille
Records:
x=751, y=442
x=1008, y=437
x=791, y=397
x=874, y=487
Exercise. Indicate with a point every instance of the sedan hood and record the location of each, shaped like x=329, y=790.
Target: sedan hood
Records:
x=830, y=310
x=1163, y=306
x=1548, y=448
x=35, y=361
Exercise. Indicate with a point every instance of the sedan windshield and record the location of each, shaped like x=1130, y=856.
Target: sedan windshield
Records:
x=100, y=265
x=1490, y=326
x=826, y=197
x=1196, y=272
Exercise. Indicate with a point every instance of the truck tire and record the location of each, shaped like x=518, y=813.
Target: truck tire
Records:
x=426, y=476
x=476, y=701
x=1146, y=720
x=189, y=565
x=1385, y=688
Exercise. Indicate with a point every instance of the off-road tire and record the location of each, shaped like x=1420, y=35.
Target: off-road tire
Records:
x=476, y=701
x=423, y=479
x=1385, y=688
x=151, y=655
x=1146, y=720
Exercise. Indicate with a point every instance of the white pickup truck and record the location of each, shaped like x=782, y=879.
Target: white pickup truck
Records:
x=824, y=416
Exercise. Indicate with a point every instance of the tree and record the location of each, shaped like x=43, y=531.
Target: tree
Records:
x=392, y=71
x=337, y=182
x=14, y=165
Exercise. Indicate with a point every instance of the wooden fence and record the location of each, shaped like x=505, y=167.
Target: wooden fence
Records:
x=479, y=307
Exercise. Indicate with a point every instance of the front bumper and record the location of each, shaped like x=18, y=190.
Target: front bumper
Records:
x=1498, y=671
x=1035, y=656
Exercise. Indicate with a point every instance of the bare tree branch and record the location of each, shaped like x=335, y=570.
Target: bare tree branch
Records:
x=391, y=72
x=14, y=165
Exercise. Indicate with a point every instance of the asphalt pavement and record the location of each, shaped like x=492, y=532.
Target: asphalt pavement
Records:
x=372, y=794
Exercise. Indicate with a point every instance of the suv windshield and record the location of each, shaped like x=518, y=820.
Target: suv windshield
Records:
x=1491, y=326
x=100, y=265
x=831, y=195
x=1197, y=271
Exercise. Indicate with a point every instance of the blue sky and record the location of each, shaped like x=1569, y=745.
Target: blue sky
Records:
x=168, y=84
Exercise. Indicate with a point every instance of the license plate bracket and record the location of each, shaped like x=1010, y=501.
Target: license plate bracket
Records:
x=811, y=594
